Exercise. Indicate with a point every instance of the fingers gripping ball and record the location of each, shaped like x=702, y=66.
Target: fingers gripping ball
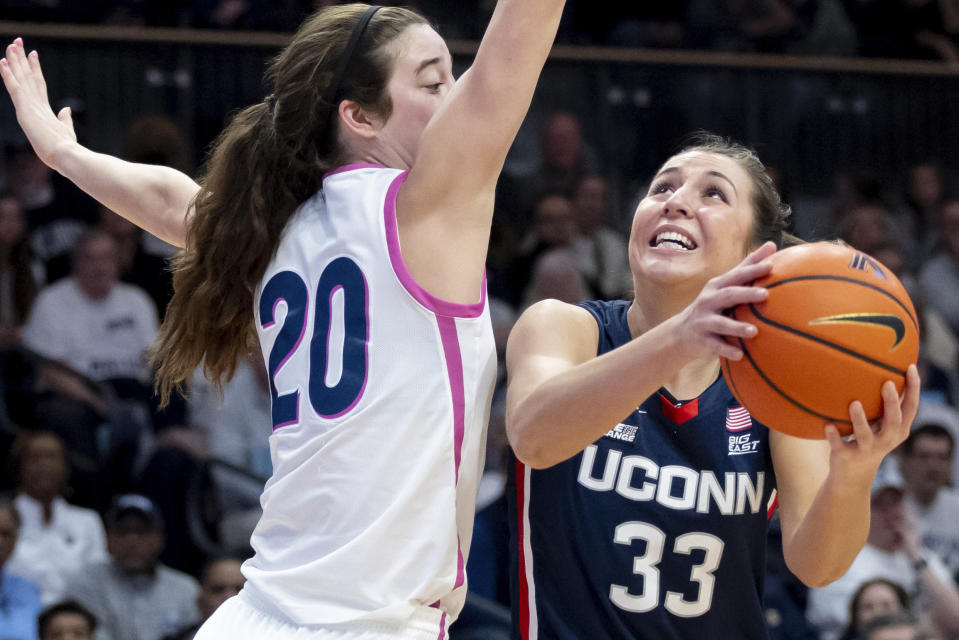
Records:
x=835, y=326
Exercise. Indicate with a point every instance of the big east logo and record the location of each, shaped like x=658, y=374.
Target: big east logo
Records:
x=738, y=424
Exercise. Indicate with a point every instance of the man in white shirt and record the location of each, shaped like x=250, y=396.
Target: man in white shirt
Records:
x=894, y=551
x=926, y=460
x=56, y=537
x=91, y=321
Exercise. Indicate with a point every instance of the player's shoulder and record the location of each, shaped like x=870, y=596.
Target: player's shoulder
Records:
x=556, y=316
x=555, y=329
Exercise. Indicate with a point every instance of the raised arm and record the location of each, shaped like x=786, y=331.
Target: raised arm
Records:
x=448, y=196
x=153, y=197
x=824, y=485
x=561, y=396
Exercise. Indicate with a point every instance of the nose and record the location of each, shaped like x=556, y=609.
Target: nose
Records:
x=676, y=204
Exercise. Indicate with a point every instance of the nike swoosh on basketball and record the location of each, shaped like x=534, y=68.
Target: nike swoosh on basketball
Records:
x=881, y=319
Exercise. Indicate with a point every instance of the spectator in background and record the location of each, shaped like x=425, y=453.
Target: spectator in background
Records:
x=19, y=598
x=898, y=626
x=20, y=274
x=57, y=213
x=924, y=198
x=553, y=227
x=57, y=538
x=556, y=275
x=66, y=620
x=562, y=159
x=133, y=596
x=102, y=328
x=894, y=551
x=939, y=276
x=92, y=322
x=873, y=599
x=600, y=251
x=236, y=429
x=870, y=227
x=926, y=459
x=137, y=266
x=221, y=579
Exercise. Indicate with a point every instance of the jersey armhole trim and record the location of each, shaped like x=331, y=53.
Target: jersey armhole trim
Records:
x=421, y=295
x=352, y=167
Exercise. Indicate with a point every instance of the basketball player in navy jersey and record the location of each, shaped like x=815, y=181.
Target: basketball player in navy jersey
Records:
x=641, y=489
x=344, y=220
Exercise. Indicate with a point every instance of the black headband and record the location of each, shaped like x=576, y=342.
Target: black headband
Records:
x=332, y=94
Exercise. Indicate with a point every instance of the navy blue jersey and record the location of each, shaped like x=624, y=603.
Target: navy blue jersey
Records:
x=655, y=531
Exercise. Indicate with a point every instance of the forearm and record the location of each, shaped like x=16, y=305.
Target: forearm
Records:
x=567, y=412
x=153, y=197
x=943, y=600
x=826, y=541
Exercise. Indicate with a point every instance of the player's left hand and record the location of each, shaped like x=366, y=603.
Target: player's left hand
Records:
x=870, y=443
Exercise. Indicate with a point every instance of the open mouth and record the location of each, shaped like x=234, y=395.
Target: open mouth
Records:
x=673, y=240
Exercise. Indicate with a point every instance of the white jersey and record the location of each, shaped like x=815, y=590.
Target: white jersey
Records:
x=381, y=397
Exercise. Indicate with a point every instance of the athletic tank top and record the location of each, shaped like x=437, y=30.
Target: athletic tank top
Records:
x=381, y=396
x=655, y=531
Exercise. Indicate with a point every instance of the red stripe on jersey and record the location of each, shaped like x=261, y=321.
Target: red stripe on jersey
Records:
x=523, y=585
x=681, y=413
x=771, y=509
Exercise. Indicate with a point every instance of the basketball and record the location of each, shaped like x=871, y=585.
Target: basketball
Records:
x=836, y=325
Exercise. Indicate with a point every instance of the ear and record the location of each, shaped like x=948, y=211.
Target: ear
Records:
x=358, y=121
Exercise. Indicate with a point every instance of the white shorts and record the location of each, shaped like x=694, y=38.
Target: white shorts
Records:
x=239, y=619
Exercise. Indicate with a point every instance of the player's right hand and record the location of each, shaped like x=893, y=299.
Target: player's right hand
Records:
x=23, y=78
x=704, y=326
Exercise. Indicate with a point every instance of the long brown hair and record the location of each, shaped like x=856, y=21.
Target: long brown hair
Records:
x=268, y=160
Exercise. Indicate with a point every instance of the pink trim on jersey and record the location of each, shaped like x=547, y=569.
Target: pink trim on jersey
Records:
x=442, y=627
x=454, y=370
x=421, y=295
x=352, y=167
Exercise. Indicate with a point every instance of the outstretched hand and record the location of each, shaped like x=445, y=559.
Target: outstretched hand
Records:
x=703, y=323
x=872, y=442
x=24, y=81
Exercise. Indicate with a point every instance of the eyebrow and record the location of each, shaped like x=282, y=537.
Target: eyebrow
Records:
x=716, y=174
x=427, y=63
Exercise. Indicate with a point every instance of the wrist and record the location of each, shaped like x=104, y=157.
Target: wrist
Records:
x=62, y=155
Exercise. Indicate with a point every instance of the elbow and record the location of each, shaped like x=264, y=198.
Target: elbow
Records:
x=813, y=574
x=529, y=449
x=529, y=453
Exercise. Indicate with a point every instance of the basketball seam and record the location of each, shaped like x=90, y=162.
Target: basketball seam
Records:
x=915, y=324
x=823, y=341
x=773, y=386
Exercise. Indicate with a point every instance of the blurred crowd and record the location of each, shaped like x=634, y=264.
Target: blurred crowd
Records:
x=125, y=520
x=879, y=28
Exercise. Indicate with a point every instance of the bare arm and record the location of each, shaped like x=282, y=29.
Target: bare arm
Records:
x=154, y=198
x=561, y=397
x=446, y=204
x=825, y=485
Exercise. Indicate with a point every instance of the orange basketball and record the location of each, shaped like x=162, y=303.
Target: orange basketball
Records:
x=836, y=325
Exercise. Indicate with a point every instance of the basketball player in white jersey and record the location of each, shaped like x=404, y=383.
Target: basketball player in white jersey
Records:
x=345, y=218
